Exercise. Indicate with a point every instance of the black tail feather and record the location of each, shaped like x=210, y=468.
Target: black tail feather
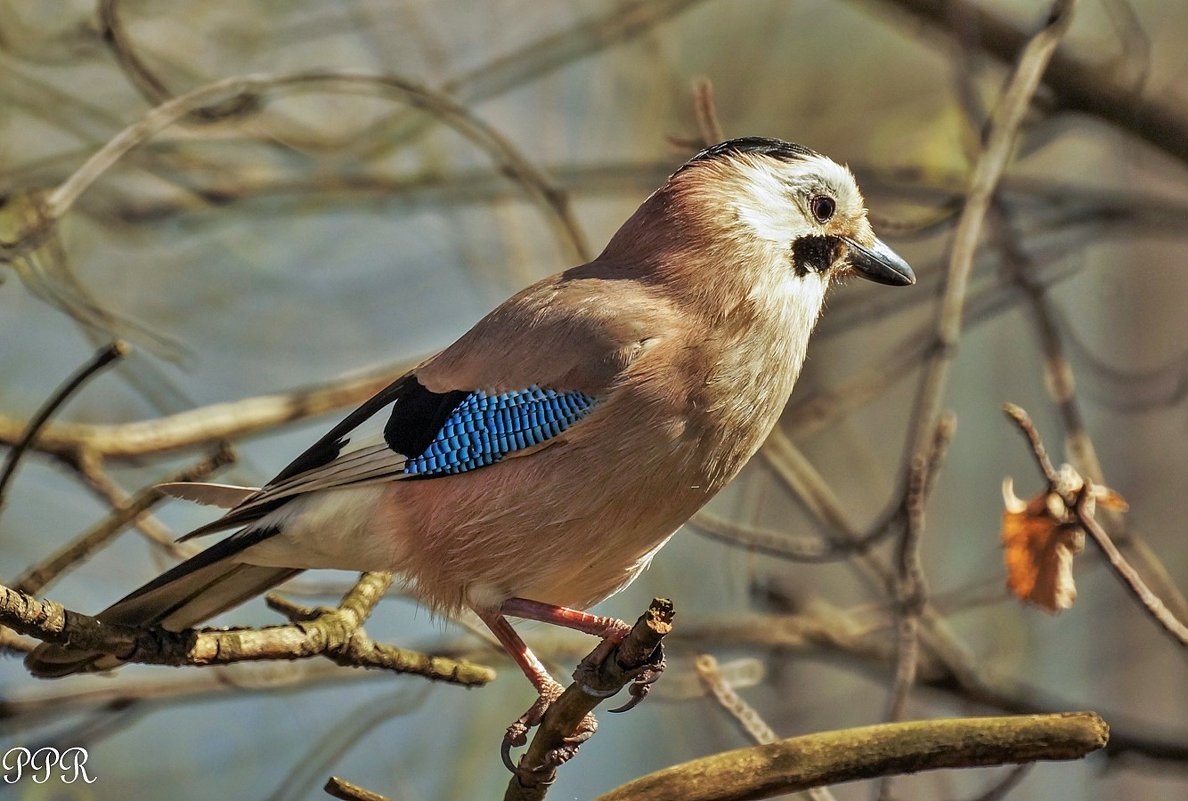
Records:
x=210, y=582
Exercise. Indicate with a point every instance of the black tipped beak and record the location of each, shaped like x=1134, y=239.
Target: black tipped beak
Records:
x=880, y=264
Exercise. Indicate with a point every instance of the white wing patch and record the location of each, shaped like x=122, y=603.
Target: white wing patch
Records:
x=222, y=495
x=369, y=464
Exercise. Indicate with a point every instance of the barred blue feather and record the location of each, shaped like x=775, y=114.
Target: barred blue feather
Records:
x=483, y=428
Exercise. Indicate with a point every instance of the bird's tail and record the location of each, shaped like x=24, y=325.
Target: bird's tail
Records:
x=195, y=590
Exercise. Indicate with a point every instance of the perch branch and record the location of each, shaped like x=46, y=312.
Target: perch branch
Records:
x=605, y=670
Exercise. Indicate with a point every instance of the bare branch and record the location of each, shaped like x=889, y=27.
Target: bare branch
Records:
x=105, y=356
x=1004, y=129
x=605, y=670
x=798, y=763
x=1079, y=500
x=336, y=635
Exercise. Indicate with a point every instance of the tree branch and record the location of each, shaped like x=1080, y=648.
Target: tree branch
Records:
x=1078, y=501
x=606, y=670
x=1079, y=85
x=832, y=757
x=336, y=634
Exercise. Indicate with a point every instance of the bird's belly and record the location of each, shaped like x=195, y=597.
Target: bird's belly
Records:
x=535, y=528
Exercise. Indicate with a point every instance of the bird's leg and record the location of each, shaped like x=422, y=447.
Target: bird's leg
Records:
x=546, y=686
x=610, y=630
x=606, y=628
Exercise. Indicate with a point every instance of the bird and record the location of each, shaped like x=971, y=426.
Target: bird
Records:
x=536, y=466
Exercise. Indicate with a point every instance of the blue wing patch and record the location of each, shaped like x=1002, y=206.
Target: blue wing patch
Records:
x=483, y=428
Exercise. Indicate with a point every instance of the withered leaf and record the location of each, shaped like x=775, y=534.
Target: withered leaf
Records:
x=1039, y=542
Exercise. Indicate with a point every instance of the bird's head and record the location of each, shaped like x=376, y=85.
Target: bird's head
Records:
x=773, y=216
x=791, y=202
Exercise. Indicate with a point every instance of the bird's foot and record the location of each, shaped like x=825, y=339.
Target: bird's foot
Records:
x=517, y=732
x=592, y=682
x=643, y=679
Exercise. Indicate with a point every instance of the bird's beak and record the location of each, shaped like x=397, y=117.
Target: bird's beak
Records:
x=879, y=263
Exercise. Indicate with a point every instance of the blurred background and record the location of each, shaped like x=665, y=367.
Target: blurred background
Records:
x=333, y=227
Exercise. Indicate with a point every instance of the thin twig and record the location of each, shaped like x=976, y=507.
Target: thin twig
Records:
x=102, y=358
x=911, y=587
x=1170, y=624
x=708, y=124
x=1079, y=502
x=743, y=713
x=149, y=85
x=1004, y=129
x=38, y=576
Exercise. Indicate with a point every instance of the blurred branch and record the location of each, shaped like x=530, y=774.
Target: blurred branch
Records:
x=36, y=577
x=149, y=85
x=553, y=202
x=1004, y=129
x=813, y=760
x=708, y=124
x=1060, y=383
x=336, y=634
x=538, y=58
x=747, y=717
x=206, y=424
x=1077, y=84
x=1078, y=501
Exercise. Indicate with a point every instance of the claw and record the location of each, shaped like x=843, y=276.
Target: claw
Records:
x=517, y=733
x=642, y=683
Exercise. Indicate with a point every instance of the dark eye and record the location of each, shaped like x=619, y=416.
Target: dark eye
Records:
x=823, y=207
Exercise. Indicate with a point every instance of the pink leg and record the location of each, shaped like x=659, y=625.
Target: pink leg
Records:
x=547, y=687
x=599, y=626
x=533, y=668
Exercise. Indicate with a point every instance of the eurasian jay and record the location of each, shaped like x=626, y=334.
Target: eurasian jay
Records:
x=535, y=467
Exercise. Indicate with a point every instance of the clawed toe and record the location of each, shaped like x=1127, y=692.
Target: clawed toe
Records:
x=564, y=753
x=517, y=733
x=642, y=681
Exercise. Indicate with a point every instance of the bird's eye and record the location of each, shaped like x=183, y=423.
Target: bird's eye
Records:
x=823, y=207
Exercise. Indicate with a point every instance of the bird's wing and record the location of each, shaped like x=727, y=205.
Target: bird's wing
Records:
x=530, y=370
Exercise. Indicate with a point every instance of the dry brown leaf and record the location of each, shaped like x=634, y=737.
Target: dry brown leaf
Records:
x=1039, y=543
